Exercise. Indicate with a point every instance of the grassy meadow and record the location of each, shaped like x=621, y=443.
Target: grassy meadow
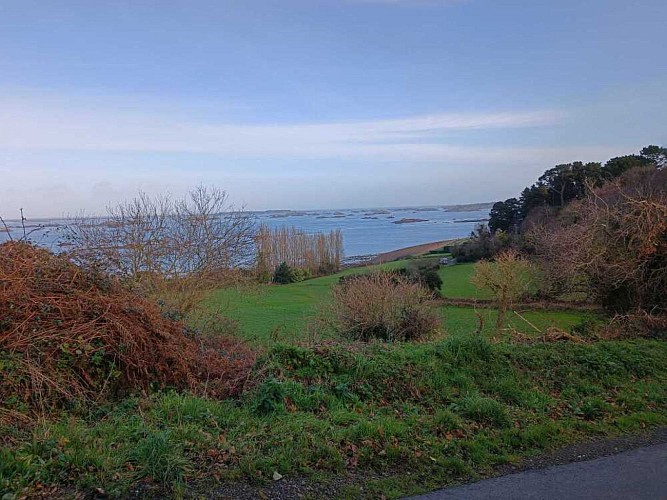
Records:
x=267, y=313
x=356, y=420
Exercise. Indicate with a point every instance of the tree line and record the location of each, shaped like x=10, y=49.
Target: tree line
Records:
x=314, y=254
x=594, y=231
x=563, y=183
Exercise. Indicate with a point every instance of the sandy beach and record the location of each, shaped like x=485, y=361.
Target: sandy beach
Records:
x=411, y=251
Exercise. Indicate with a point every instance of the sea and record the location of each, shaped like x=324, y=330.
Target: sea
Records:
x=366, y=232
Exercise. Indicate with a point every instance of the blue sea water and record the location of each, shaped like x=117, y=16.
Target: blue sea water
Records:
x=365, y=231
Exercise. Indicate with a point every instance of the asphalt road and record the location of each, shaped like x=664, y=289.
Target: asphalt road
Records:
x=640, y=474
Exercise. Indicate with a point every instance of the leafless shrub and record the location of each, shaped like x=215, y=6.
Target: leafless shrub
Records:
x=174, y=249
x=509, y=278
x=385, y=307
x=613, y=244
x=636, y=324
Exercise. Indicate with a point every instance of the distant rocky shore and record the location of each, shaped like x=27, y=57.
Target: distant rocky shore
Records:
x=408, y=221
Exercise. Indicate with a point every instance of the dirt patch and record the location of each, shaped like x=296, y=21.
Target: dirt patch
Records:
x=534, y=305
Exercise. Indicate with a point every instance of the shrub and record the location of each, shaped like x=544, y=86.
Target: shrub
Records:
x=611, y=245
x=383, y=306
x=431, y=279
x=283, y=274
x=587, y=328
x=301, y=274
x=270, y=397
x=509, y=279
x=638, y=324
x=174, y=249
x=424, y=273
x=349, y=278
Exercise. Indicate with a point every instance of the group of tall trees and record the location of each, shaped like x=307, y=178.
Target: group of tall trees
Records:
x=611, y=244
x=319, y=253
x=597, y=229
x=570, y=181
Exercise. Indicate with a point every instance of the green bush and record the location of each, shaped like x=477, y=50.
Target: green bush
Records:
x=431, y=279
x=283, y=274
x=270, y=397
x=300, y=274
x=425, y=273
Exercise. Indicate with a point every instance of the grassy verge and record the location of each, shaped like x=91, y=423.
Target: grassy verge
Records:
x=422, y=415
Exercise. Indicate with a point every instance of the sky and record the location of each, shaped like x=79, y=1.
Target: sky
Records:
x=304, y=104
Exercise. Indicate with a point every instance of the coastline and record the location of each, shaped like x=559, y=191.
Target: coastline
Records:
x=411, y=251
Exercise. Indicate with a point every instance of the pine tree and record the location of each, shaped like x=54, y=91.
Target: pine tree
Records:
x=283, y=274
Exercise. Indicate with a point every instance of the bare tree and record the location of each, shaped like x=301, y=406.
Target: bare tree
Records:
x=509, y=277
x=319, y=253
x=212, y=234
x=159, y=243
x=613, y=244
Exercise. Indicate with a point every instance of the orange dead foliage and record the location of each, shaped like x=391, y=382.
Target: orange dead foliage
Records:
x=67, y=334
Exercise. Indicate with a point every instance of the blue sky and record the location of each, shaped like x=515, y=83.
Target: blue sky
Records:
x=318, y=103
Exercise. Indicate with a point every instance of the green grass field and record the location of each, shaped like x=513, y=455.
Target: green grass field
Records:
x=456, y=282
x=283, y=312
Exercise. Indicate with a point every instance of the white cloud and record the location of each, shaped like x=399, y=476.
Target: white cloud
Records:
x=33, y=125
x=60, y=155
